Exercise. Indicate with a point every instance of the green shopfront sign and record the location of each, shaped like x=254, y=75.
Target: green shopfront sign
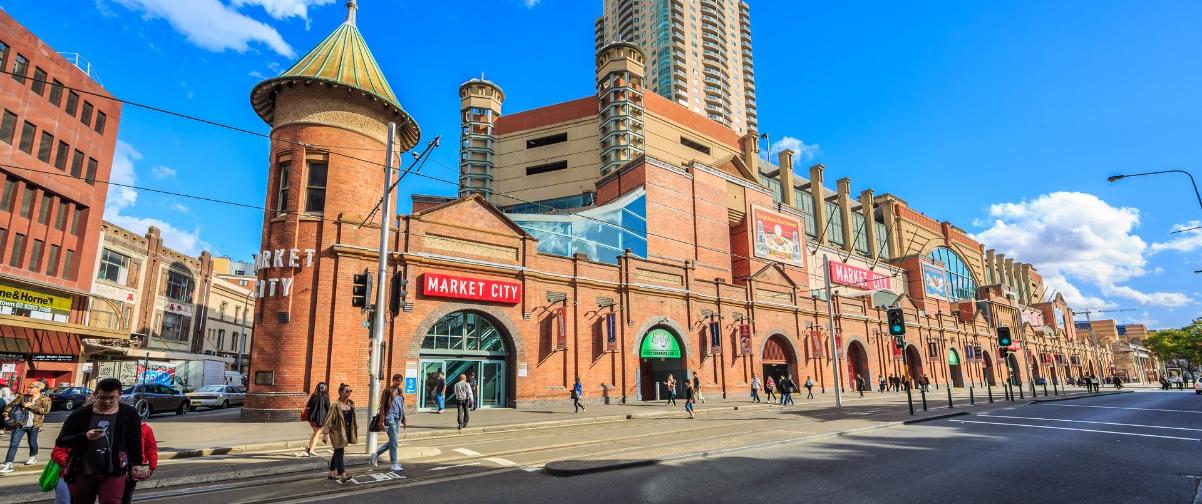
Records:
x=953, y=359
x=660, y=344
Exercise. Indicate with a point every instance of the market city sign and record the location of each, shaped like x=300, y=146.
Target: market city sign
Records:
x=279, y=259
x=860, y=278
x=477, y=289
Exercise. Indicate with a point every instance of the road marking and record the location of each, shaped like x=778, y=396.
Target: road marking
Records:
x=466, y=452
x=1074, y=429
x=1092, y=422
x=501, y=462
x=376, y=478
x=1121, y=407
x=443, y=468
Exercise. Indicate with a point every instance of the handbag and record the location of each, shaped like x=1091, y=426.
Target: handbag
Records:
x=374, y=426
x=305, y=414
x=49, y=478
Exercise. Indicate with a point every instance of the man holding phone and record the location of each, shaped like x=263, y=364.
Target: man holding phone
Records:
x=104, y=440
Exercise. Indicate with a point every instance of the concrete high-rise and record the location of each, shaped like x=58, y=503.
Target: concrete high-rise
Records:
x=698, y=53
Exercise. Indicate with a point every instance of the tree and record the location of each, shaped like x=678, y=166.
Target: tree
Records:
x=1182, y=346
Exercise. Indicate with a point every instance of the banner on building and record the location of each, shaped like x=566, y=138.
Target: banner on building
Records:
x=478, y=289
x=978, y=352
x=934, y=281
x=659, y=343
x=897, y=352
x=968, y=353
x=561, y=328
x=611, y=333
x=715, y=337
x=745, y=339
x=816, y=344
x=777, y=236
x=838, y=344
x=859, y=278
x=36, y=304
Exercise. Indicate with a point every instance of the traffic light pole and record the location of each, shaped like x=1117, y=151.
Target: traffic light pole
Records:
x=377, y=326
x=830, y=315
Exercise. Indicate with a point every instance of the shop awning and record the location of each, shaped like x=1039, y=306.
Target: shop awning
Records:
x=23, y=340
x=151, y=353
x=14, y=321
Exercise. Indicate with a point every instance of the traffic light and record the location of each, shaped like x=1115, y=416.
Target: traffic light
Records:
x=396, y=293
x=361, y=289
x=897, y=321
x=1003, y=337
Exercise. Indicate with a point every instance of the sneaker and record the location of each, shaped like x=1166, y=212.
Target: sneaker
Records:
x=8, y=467
x=31, y=461
x=397, y=468
x=375, y=459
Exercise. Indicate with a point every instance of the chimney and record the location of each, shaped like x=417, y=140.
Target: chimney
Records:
x=990, y=269
x=819, y=203
x=868, y=207
x=843, y=186
x=751, y=152
x=785, y=160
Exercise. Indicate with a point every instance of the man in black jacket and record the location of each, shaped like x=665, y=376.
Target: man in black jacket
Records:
x=105, y=441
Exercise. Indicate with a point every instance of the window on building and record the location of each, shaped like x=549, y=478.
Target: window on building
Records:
x=85, y=116
x=175, y=326
x=805, y=202
x=882, y=240
x=695, y=145
x=221, y=339
x=77, y=164
x=39, y=81
x=27, y=199
x=179, y=286
x=546, y=167
x=44, y=209
x=546, y=140
x=961, y=283
x=17, y=256
x=52, y=261
x=835, y=230
x=101, y=120
x=76, y=226
x=69, y=265
x=72, y=102
x=35, y=256
x=56, y=92
x=20, y=68
x=60, y=156
x=281, y=198
x=45, y=147
x=10, y=193
x=90, y=176
x=8, y=126
x=27, y=133
x=114, y=267
x=3, y=56
x=315, y=187
x=60, y=216
x=859, y=228
x=3, y=243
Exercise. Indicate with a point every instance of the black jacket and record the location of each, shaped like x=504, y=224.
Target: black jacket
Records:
x=319, y=408
x=127, y=437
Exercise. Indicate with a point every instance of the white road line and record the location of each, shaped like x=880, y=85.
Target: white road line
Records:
x=466, y=452
x=443, y=468
x=1120, y=407
x=501, y=462
x=1073, y=429
x=1091, y=422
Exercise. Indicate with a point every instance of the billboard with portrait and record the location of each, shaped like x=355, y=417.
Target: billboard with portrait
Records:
x=777, y=236
x=934, y=281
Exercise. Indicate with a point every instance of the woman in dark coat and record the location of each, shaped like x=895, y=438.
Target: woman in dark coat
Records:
x=316, y=411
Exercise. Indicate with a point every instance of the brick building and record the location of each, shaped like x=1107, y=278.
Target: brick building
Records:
x=58, y=130
x=686, y=254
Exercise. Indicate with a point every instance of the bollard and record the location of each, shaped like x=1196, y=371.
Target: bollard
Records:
x=1054, y=391
x=1045, y=389
x=923, y=391
x=950, y=405
x=971, y=401
x=989, y=390
x=910, y=399
x=1020, y=392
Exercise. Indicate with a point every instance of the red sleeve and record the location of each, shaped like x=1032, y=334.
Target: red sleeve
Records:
x=150, y=447
x=59, y=455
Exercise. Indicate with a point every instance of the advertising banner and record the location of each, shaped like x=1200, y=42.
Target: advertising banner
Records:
x=816, y=344
x=715, y=337
x=745, y=339
x=968, y=353
x=611, y=333
x=561, y=328
x=859, y=278
x=658, y=343
x=36, y=304
x=479, y=289
x=934, y=281
x=777, y=236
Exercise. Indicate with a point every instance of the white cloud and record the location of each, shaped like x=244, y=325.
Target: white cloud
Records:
x=256, y=74
x=283, y=9
x=1186, y=238
x=1076, y=237
x=180, y=207
x=212, y=25
x=802, y=150
x=162, y=172
x=532, y=3
x=122, y=199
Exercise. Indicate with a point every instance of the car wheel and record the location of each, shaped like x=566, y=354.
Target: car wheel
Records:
x=69, y=405
x=225, y=404
x=144, y=410
x=183, y=408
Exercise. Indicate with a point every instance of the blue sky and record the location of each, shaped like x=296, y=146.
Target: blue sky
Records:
x=1003, y=117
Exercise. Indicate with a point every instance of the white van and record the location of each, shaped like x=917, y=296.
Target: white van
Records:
x=234, y=378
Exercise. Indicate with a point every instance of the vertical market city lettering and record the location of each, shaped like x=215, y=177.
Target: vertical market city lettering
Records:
x=280, y=258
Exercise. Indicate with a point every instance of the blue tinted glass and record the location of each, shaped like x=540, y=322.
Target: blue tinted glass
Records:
x=602, y=233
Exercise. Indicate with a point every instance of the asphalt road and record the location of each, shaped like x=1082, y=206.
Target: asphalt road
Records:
x=1141, y=447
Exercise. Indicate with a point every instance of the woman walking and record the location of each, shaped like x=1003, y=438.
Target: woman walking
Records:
x=315, y=413
x=769, y=386
x=670, y=383
x=340, y=429
x=688, y=398
x=577, y=391
x=809, y=388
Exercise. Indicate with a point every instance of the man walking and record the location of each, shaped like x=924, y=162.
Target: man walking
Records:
x=440, y=391
x=105, y=439
x=465, y=398
x=755, y=389
x=881, y=384
x=860, y=385
x=697, y=387
x=392, y=416
x=27, y=411
x=809, y=388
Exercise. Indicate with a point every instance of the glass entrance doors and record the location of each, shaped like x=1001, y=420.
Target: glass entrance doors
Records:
x=486, y=377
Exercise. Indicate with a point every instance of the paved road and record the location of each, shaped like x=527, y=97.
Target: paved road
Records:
x=1142, y=447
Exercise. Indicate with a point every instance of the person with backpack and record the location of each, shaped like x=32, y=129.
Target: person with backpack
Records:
x=105, y=440
x=577, y=391
x=769, y=387
x=315, y=414
x=809, y=388
x=755, y=389
x=24, y=416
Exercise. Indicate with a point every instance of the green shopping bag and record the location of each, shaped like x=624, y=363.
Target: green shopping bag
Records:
x=49, y=478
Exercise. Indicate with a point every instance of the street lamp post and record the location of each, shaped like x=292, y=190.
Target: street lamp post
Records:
x=1115, y=178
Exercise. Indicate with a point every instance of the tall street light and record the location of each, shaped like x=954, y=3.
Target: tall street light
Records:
x=1115, y=178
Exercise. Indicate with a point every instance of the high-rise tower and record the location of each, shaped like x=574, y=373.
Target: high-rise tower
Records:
x=620, y=103
x=698, y=53
x=479, y=107
x=329, y=116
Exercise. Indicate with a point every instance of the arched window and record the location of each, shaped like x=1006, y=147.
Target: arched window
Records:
x=464, y=331
x=962, y=286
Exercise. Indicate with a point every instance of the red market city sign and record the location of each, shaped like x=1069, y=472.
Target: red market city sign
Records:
x=860, y=278
x=478, y=289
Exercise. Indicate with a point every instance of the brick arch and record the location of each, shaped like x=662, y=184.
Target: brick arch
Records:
x=497, y=315
x=681, y=334
x=797, y=356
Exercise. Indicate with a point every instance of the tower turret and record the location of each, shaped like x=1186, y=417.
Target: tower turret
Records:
x=620, y=97
x=479, y=107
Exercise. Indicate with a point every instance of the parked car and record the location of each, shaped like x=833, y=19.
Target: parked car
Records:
x=217, y=396
x=68, y=398
x=149, y=398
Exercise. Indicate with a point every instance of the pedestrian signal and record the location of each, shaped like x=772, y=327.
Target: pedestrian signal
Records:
x=897, y=321
x=361, y=290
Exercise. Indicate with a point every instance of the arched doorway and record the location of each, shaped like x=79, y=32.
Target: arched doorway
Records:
x=1014, y=373
x=779, y=359
x=953, y=364
x=857, y=365
x=913, y=364
x=661, y=353
x=472, y=344
x=988, y=371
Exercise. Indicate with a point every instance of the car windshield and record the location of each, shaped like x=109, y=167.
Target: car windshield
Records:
x=212, y=388
x=59, y=390
x=129, y=390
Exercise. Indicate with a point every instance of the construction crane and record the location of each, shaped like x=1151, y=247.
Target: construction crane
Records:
x=1089, y=312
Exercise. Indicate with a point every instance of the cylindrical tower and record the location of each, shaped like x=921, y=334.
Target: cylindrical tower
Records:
x=620, y=93
x=479, y=106
x=328, y=114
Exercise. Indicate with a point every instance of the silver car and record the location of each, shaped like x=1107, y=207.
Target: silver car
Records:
x=149, y=398
x=217, y=396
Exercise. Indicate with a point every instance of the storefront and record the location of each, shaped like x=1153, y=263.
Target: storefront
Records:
x=660, y=356
x=466, y=343
x=778, y=359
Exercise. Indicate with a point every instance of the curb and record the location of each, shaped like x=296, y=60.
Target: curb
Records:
x=1100, y=394
x=565, y=468
x=935, y=417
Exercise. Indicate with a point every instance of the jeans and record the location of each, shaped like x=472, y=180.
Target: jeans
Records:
x=688, y=406
x=62, y=495
x=390, y=426
x=755, y=395
x=464, y=413
x=786, y=398
x=809, y=392
x=15, y=443
x=441, y=401
x=338, y=461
